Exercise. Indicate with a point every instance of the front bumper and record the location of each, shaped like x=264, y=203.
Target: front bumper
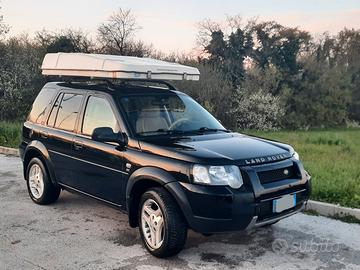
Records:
x=211, y=209
x=255, y=223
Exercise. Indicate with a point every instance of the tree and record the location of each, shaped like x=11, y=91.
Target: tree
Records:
x=206, y=28
x=347, y=52
x=214, y=91
x=116, y=36
x=239, y=46
x=320, y=99
x=3, y=27
x=342, y=52
x=229, y=55
x=279, y=45
x=20, y=77
x=216, y=48
x=67, y=40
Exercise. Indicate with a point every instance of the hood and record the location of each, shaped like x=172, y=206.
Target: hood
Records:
x=221, y=149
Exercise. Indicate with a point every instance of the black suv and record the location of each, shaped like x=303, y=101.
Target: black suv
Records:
x=161, y=157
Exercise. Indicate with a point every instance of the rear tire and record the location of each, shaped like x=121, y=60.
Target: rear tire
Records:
x=41, y=189
x=159, y=213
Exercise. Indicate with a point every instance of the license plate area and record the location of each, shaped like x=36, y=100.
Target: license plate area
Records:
x=284, y=203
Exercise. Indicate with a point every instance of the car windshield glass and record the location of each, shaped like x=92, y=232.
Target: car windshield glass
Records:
x=167, y=114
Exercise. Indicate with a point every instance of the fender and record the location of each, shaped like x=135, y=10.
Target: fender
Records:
x=40, y=148
x=157, y=175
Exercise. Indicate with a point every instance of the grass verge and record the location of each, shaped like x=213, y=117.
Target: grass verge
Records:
x=10, y=134
x=333, y=159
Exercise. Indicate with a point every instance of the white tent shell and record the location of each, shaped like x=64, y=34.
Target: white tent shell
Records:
x=115, y=67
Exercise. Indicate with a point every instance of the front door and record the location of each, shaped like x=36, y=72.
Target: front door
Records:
x=98, y=169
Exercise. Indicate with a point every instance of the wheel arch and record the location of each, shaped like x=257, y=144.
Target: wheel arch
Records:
x=38, y=150
x=140, y=181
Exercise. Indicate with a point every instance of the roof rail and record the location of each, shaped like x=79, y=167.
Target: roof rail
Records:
x=140, y=82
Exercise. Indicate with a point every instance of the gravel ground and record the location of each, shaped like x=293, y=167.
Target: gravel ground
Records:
x=81, y=233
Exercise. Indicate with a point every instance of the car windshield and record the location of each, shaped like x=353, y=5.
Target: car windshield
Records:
x=167, y=114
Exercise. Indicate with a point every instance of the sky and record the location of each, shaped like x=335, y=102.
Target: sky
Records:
x=170, y=25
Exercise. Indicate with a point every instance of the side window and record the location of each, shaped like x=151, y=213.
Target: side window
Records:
x=53, y=114
x=42, y=105
x=98, y=113
x=68, y=111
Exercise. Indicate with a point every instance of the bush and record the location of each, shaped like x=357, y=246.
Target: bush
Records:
x=258, y=110
x=20, y=77
x=10, y=134
x=256, y=105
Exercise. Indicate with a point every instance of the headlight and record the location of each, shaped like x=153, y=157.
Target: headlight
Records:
x=296, y=156
x=218, y=175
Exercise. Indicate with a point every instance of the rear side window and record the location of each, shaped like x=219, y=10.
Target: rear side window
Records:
x=98, y=113
x=54, y=111
x=67, y=112
x=42, y=105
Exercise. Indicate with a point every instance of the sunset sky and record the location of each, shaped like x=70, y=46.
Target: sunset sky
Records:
x=171, y=25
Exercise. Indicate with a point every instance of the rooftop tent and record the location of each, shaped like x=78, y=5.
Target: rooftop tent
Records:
x=115, y=67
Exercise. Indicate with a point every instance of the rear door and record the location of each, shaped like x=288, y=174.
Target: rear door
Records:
x=98, y=166
x=60, y=133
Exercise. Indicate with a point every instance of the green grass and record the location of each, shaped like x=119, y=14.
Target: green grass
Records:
x=333, y=159
x=10, y=134
x=345, y=218
x=331, y=156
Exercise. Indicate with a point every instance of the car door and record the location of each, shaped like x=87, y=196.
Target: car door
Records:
x=99, y=166
x=59, y=134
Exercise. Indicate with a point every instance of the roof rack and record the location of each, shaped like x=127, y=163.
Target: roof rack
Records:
x=115, y=67
x=137, y=82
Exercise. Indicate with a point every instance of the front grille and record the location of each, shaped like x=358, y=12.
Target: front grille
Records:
x=276, y=175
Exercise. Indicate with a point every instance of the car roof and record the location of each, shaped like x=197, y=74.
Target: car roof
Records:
x=114, y=89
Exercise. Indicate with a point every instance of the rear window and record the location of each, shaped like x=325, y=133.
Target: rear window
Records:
x=65, y=115
x=41, y=105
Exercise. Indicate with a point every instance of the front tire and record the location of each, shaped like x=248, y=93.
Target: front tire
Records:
x=161, y=223
x=41, y=189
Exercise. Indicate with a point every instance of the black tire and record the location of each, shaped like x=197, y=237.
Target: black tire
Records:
x=50, y=193
x=175, y=227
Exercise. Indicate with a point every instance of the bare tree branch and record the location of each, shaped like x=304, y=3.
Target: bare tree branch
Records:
x=116, y=35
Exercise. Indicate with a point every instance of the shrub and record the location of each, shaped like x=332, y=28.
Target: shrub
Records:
x=258, y=110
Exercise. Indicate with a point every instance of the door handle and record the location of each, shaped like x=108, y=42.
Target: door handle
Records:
x=78, y=144
x=44, y=134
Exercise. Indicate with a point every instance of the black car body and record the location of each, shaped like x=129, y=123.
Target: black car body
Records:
x=118, y=170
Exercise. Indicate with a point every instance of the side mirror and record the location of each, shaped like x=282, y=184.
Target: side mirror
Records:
x=106, y=134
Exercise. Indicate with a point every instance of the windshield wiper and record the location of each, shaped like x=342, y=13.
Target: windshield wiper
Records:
x=207, y=129
x=162, y=131
x=170, y=132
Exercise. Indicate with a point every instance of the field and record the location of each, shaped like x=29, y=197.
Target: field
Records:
x=331, y=156
x=333, y=159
